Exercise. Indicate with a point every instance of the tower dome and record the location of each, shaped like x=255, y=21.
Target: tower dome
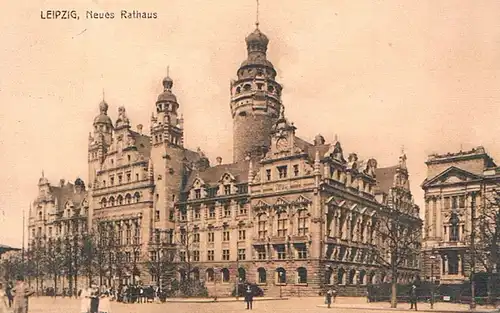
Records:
x=103, y=117
x=167, y=94
x=43, y=180
x=257, y=38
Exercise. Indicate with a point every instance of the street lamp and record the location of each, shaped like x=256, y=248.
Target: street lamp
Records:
x=432, y=257
x=215, y=283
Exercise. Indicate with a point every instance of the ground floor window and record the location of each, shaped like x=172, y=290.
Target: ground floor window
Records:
x=302, y=275
x=262, y=275
x=280, y=276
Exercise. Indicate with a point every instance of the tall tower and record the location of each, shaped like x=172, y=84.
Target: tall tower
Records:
x=255, y=100
x=100, y=142
x=167, y=155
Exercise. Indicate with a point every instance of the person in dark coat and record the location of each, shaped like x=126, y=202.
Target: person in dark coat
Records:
x=249, y=298
x=413, y=297
x=328, y=297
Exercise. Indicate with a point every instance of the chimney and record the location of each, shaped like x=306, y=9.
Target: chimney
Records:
x=139, y=129
x=219, y=160
x=61, y=182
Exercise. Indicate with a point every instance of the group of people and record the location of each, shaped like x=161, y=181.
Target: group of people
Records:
x=95, y=301
x=15, y=296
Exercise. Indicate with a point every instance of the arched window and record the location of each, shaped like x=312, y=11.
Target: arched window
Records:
x=238, y=90
x=262, y=275
x=196, y=274
x=247, y=87
x=242, y=274
x=329, y=276
x=128, y=198
x=302, y=275
x=280, y=275
x=352, y=276
x=119, y=200
x=225, y=275
x=210, y=275
x=112, y=201
x=40, y=215
x=137, y=197
x=341, y=276
x=454, y=227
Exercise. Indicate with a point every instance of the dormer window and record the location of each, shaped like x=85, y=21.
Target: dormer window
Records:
x=227, y=189
x=282, y=171
x=268, y=175
x=120, y=179
x=197, y=194
x=112, y=181
x=128, y=177
x=296, y=170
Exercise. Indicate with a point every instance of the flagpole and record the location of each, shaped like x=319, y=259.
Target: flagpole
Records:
x=22, y=251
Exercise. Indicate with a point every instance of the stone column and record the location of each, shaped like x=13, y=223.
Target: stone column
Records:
x=439, y=208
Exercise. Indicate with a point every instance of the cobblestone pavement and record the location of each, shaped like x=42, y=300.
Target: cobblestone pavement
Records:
x=302, y=305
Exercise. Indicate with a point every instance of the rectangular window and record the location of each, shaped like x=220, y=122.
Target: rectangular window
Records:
x=454, y=203
x=211, y=212
x=225, y=255
x=196, y=237
x=128, y=257
x=197, y=214
x=120, y=179
x=197, y=194
x=196, y=256
x=282, y=171
x=182, y=256
x=137, y=177
x=112, y=180
x=50, y=231
x=227, y=190
x=262, y=229
x=261, y=253
x=462, y=201
x=136, y=256
x=225, y=236
x=296, y=170
x=242, y=208
x=241, y=234
x=301, y=251
x=211, y=237
x=128, y=177
x=157, y=215
x=268, y=175
x=280, y=251
x=241, y=254
x=183, y=215
x=210, y=255
x=128, y=235
x=446, y=203
x=227, y=210
x=302, y=227
x=282, y=223
x=157, y=236
x=152, y=256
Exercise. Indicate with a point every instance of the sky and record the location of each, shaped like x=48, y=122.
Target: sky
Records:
x=379, y=74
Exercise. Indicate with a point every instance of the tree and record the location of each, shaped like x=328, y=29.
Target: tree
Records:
x=399, y=237
x=35, y=261
x=160, y=262
x=484, y=239
x=12, y=266
x=54, y=260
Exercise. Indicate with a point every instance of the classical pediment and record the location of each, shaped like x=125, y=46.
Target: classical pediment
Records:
x=452, y=175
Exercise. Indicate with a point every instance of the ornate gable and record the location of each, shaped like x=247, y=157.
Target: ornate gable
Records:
x=281, y=202
x=302, y=200
x=452, y=175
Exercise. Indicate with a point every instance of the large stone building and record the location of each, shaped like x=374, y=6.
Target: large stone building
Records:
x=288, y=214
x=459, y=189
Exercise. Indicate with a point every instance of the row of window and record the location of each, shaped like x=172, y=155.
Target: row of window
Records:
x=210, y=212
x=279, y=252
x=280, y=275
x=283, y=221
x=227, y=190
x=120, y=200
x=282, y=172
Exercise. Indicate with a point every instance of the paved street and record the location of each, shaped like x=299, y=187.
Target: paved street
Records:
x=303, y=305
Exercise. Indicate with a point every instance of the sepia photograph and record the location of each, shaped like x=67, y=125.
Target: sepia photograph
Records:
x=233, y=155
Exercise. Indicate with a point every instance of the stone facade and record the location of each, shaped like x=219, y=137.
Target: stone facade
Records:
x=458, y=186
x=291, y=215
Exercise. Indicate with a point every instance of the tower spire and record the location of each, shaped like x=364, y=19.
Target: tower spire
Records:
x=103, y=95
x=168, y=70
x=257, y=16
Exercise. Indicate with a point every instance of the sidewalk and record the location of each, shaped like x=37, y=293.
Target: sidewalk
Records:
x=422, y=307
x=211, y=300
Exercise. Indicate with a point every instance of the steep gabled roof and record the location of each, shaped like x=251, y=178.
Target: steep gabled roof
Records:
x=385, y=178
x=212, y=175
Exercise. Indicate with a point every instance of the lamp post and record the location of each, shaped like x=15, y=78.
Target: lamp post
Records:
x=215, y=283
x=432, y=257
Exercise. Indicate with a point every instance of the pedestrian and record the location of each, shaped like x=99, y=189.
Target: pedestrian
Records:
x=3, y=300
x=22, y=292
x=85, y=300
x=105, y=303
x=8, y=292
x=94, y=300
x=413, y=297
x=328, y=297
x=249, y=298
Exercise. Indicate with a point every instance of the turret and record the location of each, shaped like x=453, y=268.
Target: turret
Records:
x=255, y=100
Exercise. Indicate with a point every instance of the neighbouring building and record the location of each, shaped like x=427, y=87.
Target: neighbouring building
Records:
x=459, y=188
x=291, y=215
